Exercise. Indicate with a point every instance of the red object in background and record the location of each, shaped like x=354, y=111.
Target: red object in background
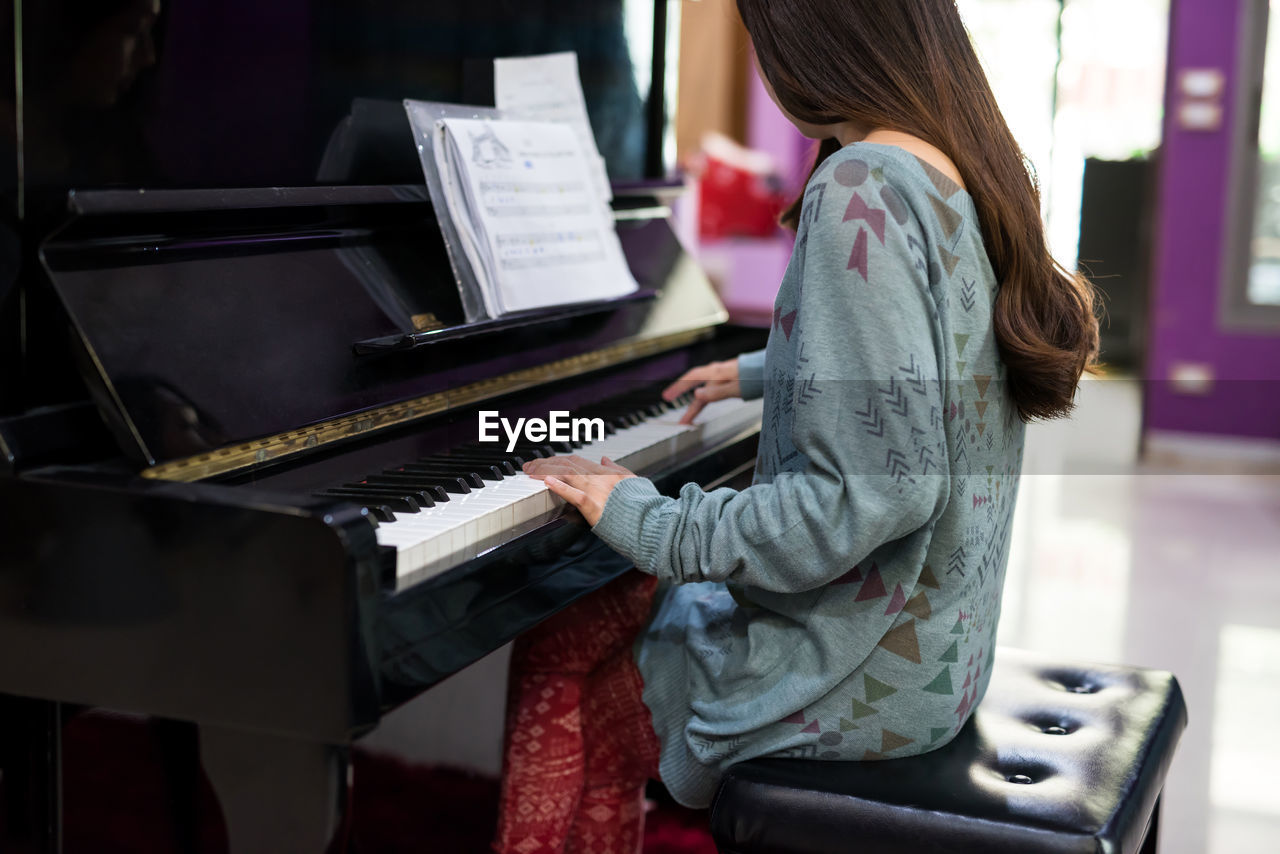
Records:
x=740, y=193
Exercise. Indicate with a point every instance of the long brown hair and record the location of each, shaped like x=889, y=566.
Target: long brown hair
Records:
x=908, y=66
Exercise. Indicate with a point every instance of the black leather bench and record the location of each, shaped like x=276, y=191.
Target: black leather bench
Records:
x=1057, y=758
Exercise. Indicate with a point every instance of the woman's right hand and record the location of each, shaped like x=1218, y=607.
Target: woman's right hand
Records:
x=716, y=381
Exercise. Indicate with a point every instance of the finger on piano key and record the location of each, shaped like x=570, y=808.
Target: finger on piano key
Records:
x=495, y=511
x=477, y=520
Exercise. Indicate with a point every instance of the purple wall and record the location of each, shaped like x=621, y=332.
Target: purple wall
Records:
x=768, y=130
x=751, y=269
x=1190, y=241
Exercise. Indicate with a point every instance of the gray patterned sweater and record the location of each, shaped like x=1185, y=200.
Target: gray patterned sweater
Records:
x=845, y=605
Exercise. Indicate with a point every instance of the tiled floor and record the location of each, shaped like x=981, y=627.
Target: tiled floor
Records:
x=1178, y=569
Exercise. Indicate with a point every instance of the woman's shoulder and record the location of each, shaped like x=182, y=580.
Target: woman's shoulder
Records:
x=879, y=176
x=853, y=164
x=891, y=178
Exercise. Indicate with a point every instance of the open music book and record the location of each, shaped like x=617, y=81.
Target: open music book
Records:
x=529, y=228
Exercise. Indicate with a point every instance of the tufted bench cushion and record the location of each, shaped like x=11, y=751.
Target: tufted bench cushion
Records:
x=1058, y=758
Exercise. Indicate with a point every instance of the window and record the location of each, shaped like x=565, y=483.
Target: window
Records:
x=1262, y=286
x=1250, y=296
x=1075, y=79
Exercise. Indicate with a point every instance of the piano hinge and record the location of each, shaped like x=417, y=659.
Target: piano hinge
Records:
x=284, y=445
x=425, y=322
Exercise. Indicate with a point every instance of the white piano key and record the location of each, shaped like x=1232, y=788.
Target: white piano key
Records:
x=452, y=532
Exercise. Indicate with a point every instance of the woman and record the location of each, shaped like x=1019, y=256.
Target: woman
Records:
x=845, y=605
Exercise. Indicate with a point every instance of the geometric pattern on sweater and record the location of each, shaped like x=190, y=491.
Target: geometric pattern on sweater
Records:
x=846, y=606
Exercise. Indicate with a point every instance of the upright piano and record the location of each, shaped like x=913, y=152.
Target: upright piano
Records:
x=241, y=482
x=274, y=517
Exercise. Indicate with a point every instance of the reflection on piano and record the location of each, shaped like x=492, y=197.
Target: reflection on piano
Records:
x=274, y=522
x=240, y=489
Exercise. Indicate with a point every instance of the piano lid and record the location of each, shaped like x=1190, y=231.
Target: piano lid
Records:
x=224, y=329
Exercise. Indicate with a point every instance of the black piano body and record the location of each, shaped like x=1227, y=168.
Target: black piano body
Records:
x=188, y=370
x=167, y=547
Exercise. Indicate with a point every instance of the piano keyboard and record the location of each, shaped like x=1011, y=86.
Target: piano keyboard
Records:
x=446, y=509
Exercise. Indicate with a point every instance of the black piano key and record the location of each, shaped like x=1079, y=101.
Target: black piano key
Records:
x=431, y=487
x=381, y=512
x=423, y=497
x=449, y=483
x=612, y=422
x=486, y=467
x=399, y=503
x=628, y=414
x=495, y=457
x=465, y=473
x=525, y=451
x=650, y=409
x=654, y=403
x=542, y=450
x=484, y=448
x=642, y=398
x=609, y=426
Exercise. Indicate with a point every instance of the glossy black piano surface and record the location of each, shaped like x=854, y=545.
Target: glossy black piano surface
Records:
x=201, y=382
x=187, y=573
x=210, y=328
x=141, y=571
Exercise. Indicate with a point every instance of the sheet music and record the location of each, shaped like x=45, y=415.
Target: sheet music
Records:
x=529, y=218
x=547, y=89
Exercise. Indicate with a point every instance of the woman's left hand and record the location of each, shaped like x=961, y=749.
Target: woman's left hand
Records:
x=582, y=483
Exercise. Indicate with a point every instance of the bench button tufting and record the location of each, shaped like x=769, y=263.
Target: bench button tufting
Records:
x=1099, y=791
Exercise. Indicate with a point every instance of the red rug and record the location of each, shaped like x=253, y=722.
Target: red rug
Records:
x=117, y=800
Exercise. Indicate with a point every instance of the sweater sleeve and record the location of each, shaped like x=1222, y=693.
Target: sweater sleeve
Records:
x=868, y=422
x=751, y=374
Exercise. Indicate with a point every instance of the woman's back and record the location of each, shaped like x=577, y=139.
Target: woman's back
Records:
x=888, y=425
x=845, y=605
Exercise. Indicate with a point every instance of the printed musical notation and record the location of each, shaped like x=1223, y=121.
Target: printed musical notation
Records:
x=533, y=198
x=549, y=249
x=533, y=228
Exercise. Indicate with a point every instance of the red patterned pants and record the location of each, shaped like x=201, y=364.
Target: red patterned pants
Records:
x=579, y=743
